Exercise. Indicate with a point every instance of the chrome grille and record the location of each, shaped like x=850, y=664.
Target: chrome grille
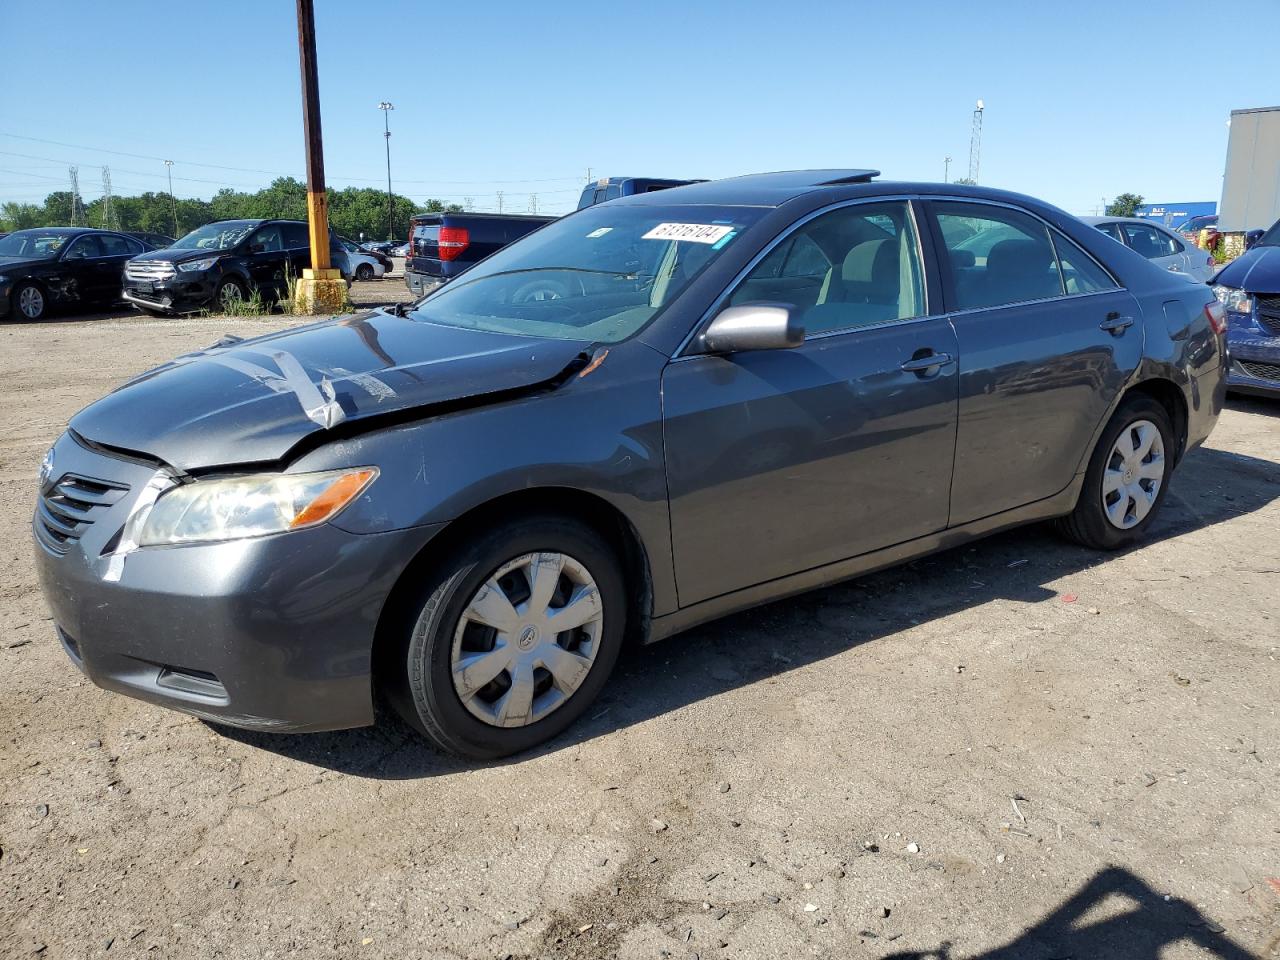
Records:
x=1262, y=371
x=148, y=270
x=71, y=506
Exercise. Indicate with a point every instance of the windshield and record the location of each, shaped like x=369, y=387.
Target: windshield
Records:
x=598, y=275
x=1269, y=239
x=33, y=244
x=216, y=236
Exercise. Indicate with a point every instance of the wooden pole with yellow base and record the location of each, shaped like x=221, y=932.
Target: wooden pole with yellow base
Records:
x=321, y=289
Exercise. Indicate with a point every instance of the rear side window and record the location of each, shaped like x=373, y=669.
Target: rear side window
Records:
x=295, y=236
x=84, y=248
x=114, y=246
x=1080, y=272
x=996, y=255
x=1112, y=230
x=1150, y=242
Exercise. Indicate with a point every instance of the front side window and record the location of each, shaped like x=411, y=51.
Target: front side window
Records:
x=268, y=239
x=83, y=248
x=853, y=267
x=598, y=275
x=997, y=255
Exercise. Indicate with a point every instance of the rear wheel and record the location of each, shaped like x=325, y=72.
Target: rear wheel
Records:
x=1127, y=477
x=515, y=634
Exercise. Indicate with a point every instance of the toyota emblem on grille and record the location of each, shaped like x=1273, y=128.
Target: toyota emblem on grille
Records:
x=46, y=468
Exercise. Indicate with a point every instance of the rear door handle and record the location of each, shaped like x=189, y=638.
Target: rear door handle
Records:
x=1116, y=324
x=927, y=362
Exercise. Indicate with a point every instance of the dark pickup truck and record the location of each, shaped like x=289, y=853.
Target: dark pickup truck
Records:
x=442, y=245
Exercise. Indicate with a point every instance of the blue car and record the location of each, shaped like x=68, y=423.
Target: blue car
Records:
x=1249, y=287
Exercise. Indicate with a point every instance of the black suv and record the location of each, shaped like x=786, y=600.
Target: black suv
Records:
x=222, y=262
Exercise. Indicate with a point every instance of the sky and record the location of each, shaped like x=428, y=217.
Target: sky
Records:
x=1083, y=99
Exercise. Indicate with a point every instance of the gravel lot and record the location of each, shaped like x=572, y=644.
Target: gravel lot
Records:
x=1017, y=750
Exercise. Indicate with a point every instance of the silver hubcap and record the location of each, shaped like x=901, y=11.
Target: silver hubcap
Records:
x=1133, y=474
x=230, y=293
x=527, y=639
x=31, y=302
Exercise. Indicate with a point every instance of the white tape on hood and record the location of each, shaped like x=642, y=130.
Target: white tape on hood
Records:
x=160, y=481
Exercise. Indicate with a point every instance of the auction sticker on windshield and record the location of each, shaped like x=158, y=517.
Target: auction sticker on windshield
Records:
x=692, y=232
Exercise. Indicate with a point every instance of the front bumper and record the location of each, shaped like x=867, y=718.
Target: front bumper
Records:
x=271, y=633
x=172, y=296
x=1255, y=356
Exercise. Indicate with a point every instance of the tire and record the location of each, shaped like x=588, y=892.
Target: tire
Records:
x=364, y=272
x=229, y=289
x=439, y=631
x=1093, y=523
x=29, y=302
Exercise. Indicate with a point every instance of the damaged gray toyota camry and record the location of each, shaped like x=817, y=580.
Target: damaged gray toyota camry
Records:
x=642, y=416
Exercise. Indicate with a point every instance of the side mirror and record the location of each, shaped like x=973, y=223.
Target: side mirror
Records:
x=754, y=326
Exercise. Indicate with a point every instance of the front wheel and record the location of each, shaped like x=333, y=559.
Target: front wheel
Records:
x=1127, y=477
x=229, y=293
x=515, y=634
x=29, y=301
x=364, y=272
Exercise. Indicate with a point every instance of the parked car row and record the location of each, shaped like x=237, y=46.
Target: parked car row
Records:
x=80, y=267
x=647, y=414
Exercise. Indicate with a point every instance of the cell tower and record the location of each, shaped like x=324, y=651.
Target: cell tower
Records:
x=108, y=209
x=975, y=143
x=77, y=205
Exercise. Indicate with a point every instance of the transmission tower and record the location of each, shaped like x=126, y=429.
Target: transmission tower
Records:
x=468, y=203
x=108, y=208
x=499, y=201
x=975, y=143
x=533, y=203
x=75, y=194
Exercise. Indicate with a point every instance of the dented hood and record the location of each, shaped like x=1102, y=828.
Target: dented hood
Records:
x=252, y=401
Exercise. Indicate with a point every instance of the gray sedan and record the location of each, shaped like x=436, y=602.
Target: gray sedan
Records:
x=1162, y=246
x=646, y=414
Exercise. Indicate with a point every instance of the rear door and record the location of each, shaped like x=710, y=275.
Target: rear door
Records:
x=780, y=461
x=297, y=242
x=1047, y=340
x=117, y=250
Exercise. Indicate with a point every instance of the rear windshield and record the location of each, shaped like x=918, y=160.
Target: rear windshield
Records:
x=598, y=275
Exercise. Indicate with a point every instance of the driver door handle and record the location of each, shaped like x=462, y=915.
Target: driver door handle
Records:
x=927, y=362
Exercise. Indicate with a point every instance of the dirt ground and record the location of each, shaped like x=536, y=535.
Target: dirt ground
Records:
x=1017, y=750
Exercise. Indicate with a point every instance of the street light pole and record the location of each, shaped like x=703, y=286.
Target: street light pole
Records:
x=386, y=107
x=173, y=204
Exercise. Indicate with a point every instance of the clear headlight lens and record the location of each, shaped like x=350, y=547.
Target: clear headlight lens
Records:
x=193, y=265
x=1234, y=299
x=231, y=509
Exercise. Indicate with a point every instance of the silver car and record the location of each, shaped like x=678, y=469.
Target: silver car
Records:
x=1158, y=244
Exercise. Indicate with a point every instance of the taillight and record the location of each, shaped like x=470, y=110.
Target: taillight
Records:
x=453, y=240
x=1217, y=315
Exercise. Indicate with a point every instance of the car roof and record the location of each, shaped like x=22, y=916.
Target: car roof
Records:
x=63, y=231
x=1145, y=221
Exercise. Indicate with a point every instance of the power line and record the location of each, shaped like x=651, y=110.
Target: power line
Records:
x=272, y=173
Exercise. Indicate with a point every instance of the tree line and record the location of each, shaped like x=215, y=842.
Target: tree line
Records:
x=352, y=210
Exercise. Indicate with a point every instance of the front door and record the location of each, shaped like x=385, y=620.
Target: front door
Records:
x=1047, y=340
x=779, y=461
x=268, y=261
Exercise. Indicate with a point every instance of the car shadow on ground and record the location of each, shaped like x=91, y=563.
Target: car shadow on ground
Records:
x=1143, y=931
x=1210, y=487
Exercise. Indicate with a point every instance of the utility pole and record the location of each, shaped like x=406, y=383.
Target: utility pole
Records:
x=946, y=170
x=975, y=143
x=321, y=287
x=173, y=204
x=386, y=107
x=588, y=174
x=108, y=211
x=75, y=192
